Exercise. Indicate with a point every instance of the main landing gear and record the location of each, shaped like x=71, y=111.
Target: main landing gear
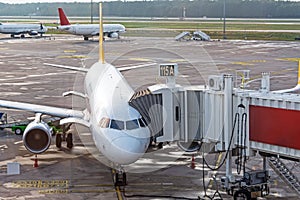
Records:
x=68, y=137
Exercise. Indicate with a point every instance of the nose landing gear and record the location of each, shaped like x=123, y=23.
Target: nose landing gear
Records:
x=119, y=178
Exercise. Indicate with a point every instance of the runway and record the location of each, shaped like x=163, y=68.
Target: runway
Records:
x=164, y=174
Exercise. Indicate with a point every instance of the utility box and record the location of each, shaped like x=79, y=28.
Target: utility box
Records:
x=13, y=168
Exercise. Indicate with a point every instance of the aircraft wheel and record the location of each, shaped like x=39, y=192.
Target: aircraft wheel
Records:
x=22, y=36
x=120, y=179
x=69, y=140
x=242, y=194
x=86, y=38
x=58, y=140
x=18, y=131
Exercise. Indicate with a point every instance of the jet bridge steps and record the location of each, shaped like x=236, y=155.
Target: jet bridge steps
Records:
x=183, y=35
x=285, y=174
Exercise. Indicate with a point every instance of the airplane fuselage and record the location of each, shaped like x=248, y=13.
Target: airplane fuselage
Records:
x=93, y=29
x=117, y=128
x=15, y=29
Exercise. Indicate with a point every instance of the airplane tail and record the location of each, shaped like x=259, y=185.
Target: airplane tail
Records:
x=63, y=18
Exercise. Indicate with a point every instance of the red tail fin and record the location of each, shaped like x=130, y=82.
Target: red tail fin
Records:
x=63, y=18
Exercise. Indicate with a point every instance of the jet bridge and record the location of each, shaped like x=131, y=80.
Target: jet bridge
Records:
x=234, y=120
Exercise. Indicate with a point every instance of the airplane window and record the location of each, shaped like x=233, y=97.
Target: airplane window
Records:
x=116, y=124
x=142, y=123
x=133, y=124
x=104, y=122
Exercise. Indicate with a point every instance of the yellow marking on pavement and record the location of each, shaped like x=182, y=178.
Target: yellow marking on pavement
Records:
x=242, y=63
x=70, y=51
x=258, y=61
x=217, y=165
x=61, y=191
x=117, y=188
x=290, y=59
x=41, y=183
x=73, y=56
x=177, y=61
x=140, y=59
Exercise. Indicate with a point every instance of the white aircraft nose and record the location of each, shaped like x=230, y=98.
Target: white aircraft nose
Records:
x=130, y=149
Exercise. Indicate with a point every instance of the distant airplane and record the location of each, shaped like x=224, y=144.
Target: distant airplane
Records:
x=22, y=29
x=89, y=30
x=118, y=129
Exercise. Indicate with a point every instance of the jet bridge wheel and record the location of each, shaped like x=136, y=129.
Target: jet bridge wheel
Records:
x=58, y=140
x=242, y=194
x=69, y=140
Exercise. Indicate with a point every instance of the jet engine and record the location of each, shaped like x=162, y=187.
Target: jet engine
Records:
x=37, y=137
x=113, y=35
x=191, y=146
x=33, y=33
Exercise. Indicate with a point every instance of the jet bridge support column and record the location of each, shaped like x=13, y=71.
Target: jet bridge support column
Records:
x=228, y=88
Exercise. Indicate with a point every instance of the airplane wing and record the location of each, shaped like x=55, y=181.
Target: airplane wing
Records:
x=122, y=68
x=67, y=67
x=49, y=110
x=125, y=68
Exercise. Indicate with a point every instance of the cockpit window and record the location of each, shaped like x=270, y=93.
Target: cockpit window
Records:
x=104, y=122
x=142, y=124
x=116, y=124
x=132, y=124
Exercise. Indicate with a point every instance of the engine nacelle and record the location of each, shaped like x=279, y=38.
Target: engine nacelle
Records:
x=113, y=35
x=33, y=33
x=37, y=137
x=191, y=146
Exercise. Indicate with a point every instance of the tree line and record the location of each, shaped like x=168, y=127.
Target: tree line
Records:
x=162, y=8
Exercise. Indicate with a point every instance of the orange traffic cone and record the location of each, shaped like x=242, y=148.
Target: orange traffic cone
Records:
x=193, y=162
x=35, y=162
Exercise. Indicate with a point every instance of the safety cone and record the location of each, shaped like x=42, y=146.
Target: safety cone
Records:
x=35, y=162
x=193, y=162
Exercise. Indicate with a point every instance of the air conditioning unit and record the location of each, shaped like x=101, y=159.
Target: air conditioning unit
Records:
x=216, y=82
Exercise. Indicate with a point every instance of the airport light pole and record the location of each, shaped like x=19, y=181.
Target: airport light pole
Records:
x=224, y=19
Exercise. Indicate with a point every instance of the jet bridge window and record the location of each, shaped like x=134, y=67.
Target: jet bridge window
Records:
x=116, y=124
x=132, y=124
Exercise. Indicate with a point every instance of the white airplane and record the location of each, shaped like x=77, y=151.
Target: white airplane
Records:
x=22, y=29
x=118, y=130
x=89, y=30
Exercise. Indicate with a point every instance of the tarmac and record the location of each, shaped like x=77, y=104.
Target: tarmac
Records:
x=81, y=173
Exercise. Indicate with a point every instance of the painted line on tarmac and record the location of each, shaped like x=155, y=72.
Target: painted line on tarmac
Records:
x=41, y=183
x=117, y=188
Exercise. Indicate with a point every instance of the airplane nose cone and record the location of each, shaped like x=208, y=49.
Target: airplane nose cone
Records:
x=129, y=149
